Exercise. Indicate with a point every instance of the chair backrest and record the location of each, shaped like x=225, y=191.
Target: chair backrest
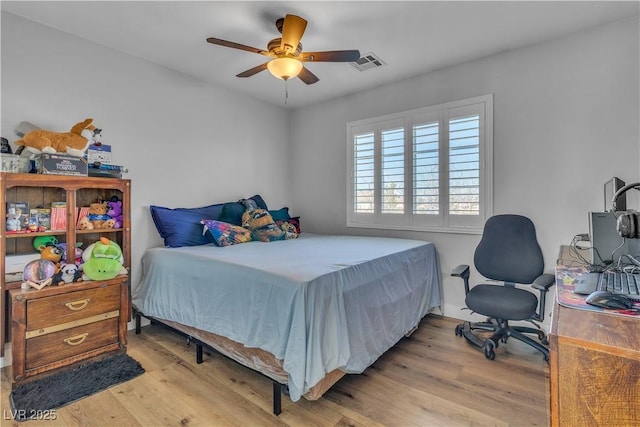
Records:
x=509, y=250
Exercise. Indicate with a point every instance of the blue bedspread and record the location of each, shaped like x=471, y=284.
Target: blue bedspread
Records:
x=317, y=302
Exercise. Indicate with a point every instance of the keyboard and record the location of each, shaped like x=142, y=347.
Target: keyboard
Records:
x=615, y=282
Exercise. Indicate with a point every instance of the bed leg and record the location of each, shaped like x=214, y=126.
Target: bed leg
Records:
x=277, y=398
x=198, y=353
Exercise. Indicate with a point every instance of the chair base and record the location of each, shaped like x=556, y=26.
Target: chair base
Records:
x=501, y=332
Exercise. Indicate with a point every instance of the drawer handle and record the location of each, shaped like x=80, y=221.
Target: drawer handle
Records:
x=78, y=305
x=76, y=340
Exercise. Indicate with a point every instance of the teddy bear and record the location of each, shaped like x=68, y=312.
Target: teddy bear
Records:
x=115, y=212
x=74, y=143
x=98, y=215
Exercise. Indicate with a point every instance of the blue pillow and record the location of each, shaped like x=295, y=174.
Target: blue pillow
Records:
x=181, y=226
x=232, y=211
x=280, y=214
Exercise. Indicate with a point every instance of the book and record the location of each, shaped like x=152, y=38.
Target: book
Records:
x=81, y=212
x=101, y=166
x=40, y=219
x=58, y=219
x=18, y=217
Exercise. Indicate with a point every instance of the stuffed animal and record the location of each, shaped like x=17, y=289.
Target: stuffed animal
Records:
x=98, y=214
x=115, y=212
x=103, y=260
x=77, y=258
x=85, y=224
x=53, y=254
x=38, y=273
x=41, y=242
x=262, y=226
x=13, y=222
x=68, y=273
x=74, y=142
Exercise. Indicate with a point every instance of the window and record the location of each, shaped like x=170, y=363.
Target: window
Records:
x=426, y=169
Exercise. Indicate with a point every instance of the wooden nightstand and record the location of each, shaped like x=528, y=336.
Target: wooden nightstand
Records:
x=60, y=325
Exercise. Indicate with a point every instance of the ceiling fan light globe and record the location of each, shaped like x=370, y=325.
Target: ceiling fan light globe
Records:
x=284, y=68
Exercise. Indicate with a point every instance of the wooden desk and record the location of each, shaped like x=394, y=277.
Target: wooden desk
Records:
x=594, y=368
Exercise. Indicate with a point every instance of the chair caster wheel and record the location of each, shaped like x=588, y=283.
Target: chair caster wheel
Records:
x=489, y=352
x=459, y=330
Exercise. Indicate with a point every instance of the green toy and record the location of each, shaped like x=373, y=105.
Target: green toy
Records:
x=103, y=260
x=41, y=242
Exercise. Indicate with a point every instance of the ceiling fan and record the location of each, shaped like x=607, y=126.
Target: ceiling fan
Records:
x=286, y=52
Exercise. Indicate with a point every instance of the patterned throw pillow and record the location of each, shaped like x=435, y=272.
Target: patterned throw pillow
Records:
x=225, y=234
x=295, y=221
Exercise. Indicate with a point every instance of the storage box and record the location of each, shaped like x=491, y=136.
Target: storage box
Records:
x=14, y=163
x=61, y=164
x=99, y=154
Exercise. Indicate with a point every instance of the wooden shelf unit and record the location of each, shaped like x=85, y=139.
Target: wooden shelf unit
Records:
x=76, y=191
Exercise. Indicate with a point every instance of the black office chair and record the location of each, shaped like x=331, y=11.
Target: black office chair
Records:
x=508, y=252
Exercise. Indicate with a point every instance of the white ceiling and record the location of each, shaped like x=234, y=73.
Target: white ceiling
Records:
x=412, y=38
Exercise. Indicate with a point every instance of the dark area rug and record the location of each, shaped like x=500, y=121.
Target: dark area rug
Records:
x=31, y=399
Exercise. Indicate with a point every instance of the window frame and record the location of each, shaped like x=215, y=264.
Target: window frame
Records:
x=442, y=114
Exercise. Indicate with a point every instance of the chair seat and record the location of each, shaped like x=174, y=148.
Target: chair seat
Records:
x=502, y=302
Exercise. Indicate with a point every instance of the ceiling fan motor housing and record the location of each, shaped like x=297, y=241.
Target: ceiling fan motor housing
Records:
x=274, y=48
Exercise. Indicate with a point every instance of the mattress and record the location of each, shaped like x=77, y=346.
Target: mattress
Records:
x=317, y=303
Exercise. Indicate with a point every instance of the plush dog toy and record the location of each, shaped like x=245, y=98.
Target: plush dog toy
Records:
x=85, y=224
x=74, y=143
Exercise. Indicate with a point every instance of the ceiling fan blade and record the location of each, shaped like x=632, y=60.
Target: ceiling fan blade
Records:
x=233, y=45
x=307, y=76
x=330, y=56
x=292, y=31
x=255, y=70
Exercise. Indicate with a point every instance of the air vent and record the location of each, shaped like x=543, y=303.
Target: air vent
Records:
x=368, y=61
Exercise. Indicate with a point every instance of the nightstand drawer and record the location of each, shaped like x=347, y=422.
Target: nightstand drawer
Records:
x=60, y=345
x=54, y=310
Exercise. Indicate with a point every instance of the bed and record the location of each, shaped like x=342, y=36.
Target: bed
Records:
x=303, y=312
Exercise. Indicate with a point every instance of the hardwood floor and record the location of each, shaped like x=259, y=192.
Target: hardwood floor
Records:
x=433, y=378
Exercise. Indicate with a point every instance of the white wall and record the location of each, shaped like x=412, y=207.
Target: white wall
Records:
x=185, y=143
x=565, y=121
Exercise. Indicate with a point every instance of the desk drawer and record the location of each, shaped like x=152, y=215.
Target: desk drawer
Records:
x=49, y=311
x=57, y=346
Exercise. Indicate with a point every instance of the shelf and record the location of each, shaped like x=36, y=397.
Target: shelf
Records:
x=75, y=191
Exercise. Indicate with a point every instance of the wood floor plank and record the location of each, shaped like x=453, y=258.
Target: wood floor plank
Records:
x=432, y=378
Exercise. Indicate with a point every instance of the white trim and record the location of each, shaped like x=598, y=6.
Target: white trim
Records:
x=443, y=222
